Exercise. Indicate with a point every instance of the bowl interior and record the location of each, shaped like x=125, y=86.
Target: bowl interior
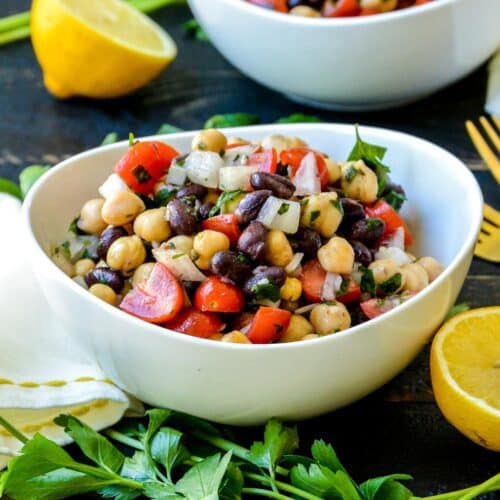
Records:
x=443, y=208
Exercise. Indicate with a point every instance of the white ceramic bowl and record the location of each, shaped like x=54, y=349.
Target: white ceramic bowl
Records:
x=241, y=384
x=360, y=63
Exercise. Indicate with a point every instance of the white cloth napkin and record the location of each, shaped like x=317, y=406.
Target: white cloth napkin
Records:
x=492, y=105
x=42, y=371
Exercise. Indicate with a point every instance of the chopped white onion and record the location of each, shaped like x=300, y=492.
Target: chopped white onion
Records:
x=398, y=256
x=356, y=274
x=203, y=168
x=112, y=185
x=331, y=286
x=294, y=263
x=80, y=280
x=306, y=178
x=234, y=178
x=277, y=213
x=176, y=175
x=396, y=240
x=178, y=263
x=78, y=245
x=305, y=309
x=239, y=155
x=269, y=303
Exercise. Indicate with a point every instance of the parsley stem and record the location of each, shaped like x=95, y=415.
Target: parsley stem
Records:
x=14, y=35
x=282, y=486
x=123, y=439
x=14, y=21
x=265, y=493
x=492, y=484
x=223, y=444
x=13, y=431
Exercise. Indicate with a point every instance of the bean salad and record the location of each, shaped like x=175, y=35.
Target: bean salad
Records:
x=336, y=8
x=247, y=242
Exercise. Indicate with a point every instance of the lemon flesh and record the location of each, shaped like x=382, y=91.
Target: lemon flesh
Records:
x=97, y=48
x=465, y=369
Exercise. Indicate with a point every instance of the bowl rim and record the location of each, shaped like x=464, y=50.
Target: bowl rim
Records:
x=148, y=328
x=338, y=21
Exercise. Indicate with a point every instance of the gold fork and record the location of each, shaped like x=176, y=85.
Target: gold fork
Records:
x=489, y=157
x=488, y=243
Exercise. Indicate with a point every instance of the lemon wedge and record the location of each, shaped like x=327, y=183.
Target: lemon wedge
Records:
x=97, y=48
x=465, y=371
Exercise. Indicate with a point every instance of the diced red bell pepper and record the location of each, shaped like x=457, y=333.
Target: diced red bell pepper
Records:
x=341, y=8
x=224, y=223
x=392, y=219
x=352, y=294
x=294, y=156
x=268, y=325
x=196, y=323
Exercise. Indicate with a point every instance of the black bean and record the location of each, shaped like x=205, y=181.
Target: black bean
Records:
x=275, y=274
x=107, y=238
x=233, y=266
x=367, y=230
x=253, y=240
x=249, y=207
x=204, y=210
x=362, y=253
x=279, y=185
x=181, y=217
x=106, y=276
x=392, y=186
x=307, y=241
x=352, y=212
x=315, y=4
x=195, y=190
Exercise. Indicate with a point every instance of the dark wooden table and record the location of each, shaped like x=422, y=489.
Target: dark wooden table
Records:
x=397, y=429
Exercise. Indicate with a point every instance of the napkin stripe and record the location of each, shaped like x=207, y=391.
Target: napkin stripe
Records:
x=53, y=383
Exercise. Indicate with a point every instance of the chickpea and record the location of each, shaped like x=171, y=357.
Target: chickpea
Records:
x=359, y=181
x=84, y=266
x=278, y=250
x=334, y=170
x=383, y=5
x=151, y=225
x=91, y=220
x=311, y=336
x=321, y=212
x=298, y=328
x=383, y=269
x=126, y=253
x=327, y=319
x=304, y=11
x=121, y=208
x=432, y=267
x=291, y=290
x=206, y=244
x=182, y=243
x=415, y=277
x=236, y=337
x=337, y=256
x=142, y=273
x=281, y=142
x=209, y=140
x=104, y=292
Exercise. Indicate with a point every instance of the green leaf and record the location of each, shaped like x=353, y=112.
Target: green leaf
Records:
x=193, y=29
x=167, y=449
x=29, y=176
x=391, y=285
x=324, y=454
x=160, y=491
x=367, y=281
x=395, y=199
x=93, y=445
x=11, y=188
x=223, y=198
x=298, y=118
x=157, y=418
x=120, y=493
x=110, y=138
x=372, y=155
x=383, y=488
x=324, y=483
x=278, y=441
x=264, y=289
x=166, y=128
x=232, y=485
x=457, y=309
x=163, y=196
x=203, y=480
x=231, y=120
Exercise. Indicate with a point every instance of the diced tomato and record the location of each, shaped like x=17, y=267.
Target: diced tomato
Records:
x=341, y=8
x=369, y=11
x=215, y=295
x=375, y=307
x=144, y=163
x=267, y=161
x=224, y=223
x=294, y=156
x=268, y=325
x=278, y=5
x=372, y=308
x=160, y=299
x=421, y=2
x=352, y=294
x=392, y=219
x=312, y=278
x=196, y=323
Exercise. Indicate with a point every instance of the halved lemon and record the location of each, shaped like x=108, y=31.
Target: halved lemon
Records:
x=465, y=371
x=97, y=48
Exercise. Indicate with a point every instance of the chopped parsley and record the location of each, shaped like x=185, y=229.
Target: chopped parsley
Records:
x=265, y=289
x=242, y=258
x=178, y=255
x=343, y=287
x=352, y=172
x=395, y=199
x=164, y=195
x=374, y=223
x=141, y=174
x=224, y=198
x=337, y=205
x=284, y=208
x=391, y=285
x=367, y=281
x=314, y=215
x=73, y=227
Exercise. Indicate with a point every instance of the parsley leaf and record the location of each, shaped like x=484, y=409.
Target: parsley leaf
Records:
x=314, y=215
x=231, y=120
x=386, y=488
x=224, y=197
x=29, y=176
x=367, y=281
x=298, y=118
x=167, y=449
x=194, y=30
x=264, y=289
x=457, y=309
x=394, y=199
x=164, y=195
x=391, y=285
x=372, y=155
x=11, y=188
x=166, y=128
x=283, y=208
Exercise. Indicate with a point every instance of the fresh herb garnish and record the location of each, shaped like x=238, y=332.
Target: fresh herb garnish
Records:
x=391, y=285
x=314, y=215
x=164, y=195
x=374, y=223
x=457, y=309
x=343, y=287
x=265, y=289
x=73, y=227
x=166, y=128
x=194, y=30
x=395, y=199
x=110, y=138
x=11, y=188
x=372, y=155
x=336, y=203
x=131, y=139
x=367, y=281
x=352, y=172
x=298, y=118
x=224, y=197
x=231, y=120
x=284, y=208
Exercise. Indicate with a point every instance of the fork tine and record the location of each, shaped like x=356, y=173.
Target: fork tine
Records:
x=484, y=150
x=496, y=121
x=490, y=131
x=491, y=214
x=489, y=228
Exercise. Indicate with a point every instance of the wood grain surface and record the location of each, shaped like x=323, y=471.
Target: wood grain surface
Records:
x=397, y=429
